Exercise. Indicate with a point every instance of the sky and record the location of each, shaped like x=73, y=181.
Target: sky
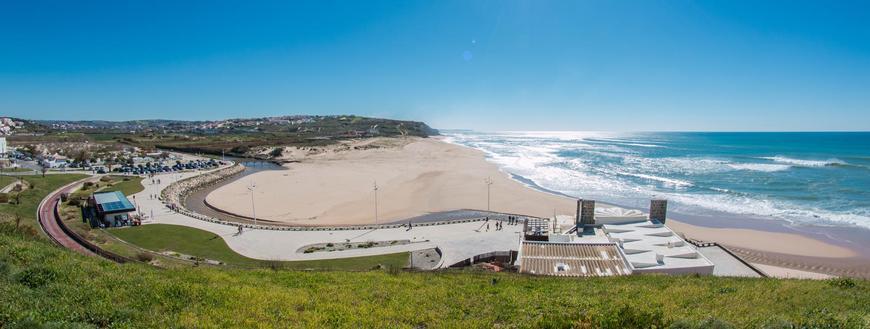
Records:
x=483, y=65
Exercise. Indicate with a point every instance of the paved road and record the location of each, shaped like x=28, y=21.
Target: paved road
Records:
x=48, y=221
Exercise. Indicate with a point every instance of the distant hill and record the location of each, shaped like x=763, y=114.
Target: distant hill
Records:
x=334, y=125
x=240, y=137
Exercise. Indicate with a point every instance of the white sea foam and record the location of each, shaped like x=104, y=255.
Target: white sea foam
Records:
x=805, y=163
x=765, y=167
x=667, y=181
x=608, y=172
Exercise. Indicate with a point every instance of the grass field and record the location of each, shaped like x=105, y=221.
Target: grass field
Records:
x=40, y=187
x=192, y=241
x=6, y=180
x=16, y=170
x=128, y=185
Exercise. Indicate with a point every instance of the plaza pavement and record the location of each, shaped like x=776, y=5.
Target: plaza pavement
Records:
x=456, y=241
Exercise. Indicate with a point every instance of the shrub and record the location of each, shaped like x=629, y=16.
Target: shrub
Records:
x=144, y=257
x=37, y=276
x=105, y=179
x=88, y=185
x=4, y=198
x=631, y=317
x=241, y=149
x=844, y=283
x=714, y=323
x=5, y=269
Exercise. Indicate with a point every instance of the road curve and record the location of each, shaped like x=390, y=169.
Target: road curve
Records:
x=48, y=220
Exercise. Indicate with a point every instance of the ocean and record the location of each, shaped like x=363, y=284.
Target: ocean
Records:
x=817, y=178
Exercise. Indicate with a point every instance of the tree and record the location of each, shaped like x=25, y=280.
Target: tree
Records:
x=44, y=169
x=82, y=156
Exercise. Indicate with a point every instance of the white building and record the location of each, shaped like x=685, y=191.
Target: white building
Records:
x=644, y=245
x=3, y=146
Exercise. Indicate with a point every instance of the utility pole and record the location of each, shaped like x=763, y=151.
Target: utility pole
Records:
x=376, y=202
x=488, y=182
x=253, y=209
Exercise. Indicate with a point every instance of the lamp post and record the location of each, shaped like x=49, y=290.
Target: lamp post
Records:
x=488, y=182
x=253, y=209
x=376, y=202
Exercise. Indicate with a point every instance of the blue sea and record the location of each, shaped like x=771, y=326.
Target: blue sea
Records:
x=803, y=178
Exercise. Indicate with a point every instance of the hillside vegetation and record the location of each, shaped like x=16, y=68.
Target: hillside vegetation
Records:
x=239, y=137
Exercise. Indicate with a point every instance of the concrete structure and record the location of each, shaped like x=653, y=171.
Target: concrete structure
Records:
x=457, y=242
x=571, y=259
x=727, y=264
x=644, y=245
x=3, y=146
x=585, y=212
x=109, y=209
x=650, y=246
x=658, y=210
x=536, y=229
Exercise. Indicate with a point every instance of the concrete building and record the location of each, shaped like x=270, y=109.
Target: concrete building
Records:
x=109, y=209
x=644, y=243
x=3, y=146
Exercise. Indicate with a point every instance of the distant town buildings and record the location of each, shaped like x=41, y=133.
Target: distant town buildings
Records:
x=8, y=126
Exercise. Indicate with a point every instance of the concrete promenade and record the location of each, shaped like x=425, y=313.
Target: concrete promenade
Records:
x=456, y=241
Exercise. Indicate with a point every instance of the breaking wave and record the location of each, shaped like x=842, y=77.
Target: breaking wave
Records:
x=697, y=177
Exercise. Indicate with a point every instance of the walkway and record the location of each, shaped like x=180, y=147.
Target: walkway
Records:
x=456, y=241
x=48, y=220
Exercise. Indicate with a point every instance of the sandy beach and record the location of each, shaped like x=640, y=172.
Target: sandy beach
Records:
x=415, y=176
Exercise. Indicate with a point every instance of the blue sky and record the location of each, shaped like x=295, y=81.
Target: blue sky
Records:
x=487, y=65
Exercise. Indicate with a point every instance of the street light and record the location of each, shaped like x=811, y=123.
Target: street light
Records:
x=253, y=210
x=376, y=202
x=488, y=182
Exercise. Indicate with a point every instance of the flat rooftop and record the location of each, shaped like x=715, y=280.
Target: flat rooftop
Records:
x=650, y=246
x=115, y=201
x=571, y=259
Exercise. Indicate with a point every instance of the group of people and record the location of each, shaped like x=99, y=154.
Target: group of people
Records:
x=499, y=225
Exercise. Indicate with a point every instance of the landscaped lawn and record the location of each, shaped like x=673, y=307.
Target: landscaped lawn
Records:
x=30, y=198
x=130, y=186
x=16, y=170
x=196, y=242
